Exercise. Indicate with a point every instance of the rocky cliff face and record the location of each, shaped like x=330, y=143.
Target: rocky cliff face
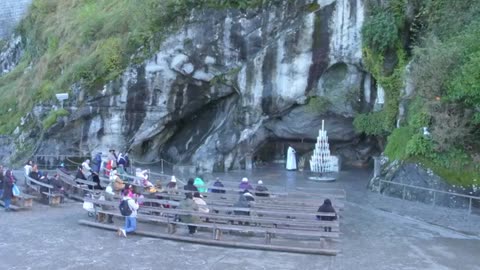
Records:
x=225, y=83
x=11, y=12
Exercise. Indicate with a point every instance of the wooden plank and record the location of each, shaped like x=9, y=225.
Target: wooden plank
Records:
x=233, y=244
x=31, y=180
x=216, y=217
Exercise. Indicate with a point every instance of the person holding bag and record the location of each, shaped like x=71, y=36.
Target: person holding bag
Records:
x=8, y=184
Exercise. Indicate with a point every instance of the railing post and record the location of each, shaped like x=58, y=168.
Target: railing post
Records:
x=161, y=162
x=469, y=206
x=434, y=198
x=380, y=187
x=403, y=193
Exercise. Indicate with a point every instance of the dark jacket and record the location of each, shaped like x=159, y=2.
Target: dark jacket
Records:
x=97, y=163
x=188, y=205
x=34, y=175
x=243, y=202
x=261, y=191
x=190, y=186
x=326, y=207
x=8, y=185
x=217, y=184
x=1, y=179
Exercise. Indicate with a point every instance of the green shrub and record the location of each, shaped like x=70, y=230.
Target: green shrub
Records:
x=418, y=145
x=379, y=31
x=318, y=104
x=396, y=148
x=370, y=123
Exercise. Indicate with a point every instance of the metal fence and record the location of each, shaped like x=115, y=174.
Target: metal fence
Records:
x=435, y=193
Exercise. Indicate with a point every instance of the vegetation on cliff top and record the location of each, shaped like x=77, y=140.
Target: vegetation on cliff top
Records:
x=88, y=42
x=445, y=54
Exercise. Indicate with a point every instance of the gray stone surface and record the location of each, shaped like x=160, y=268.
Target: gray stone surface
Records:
x=223, y=84
x=378, y=233
x=11, y=12
x=415, y=175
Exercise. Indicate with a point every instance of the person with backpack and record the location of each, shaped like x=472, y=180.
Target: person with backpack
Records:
x=128, y=209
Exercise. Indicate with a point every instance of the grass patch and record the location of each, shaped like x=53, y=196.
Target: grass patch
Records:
x=89, y=42
x=52, y=118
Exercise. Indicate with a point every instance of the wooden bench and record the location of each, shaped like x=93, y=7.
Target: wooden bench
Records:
x=54, y=198
x=25, y=200
x=76, y=190
x=168, y=215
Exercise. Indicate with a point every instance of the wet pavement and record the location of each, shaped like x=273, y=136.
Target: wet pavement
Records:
x=378, y=233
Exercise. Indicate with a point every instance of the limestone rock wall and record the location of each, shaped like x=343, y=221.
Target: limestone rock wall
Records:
x=226, y=82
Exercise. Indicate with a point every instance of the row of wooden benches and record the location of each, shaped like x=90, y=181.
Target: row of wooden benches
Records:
x=268, y=224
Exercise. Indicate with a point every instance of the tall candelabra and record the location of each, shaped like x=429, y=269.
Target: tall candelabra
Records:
x=321, y=160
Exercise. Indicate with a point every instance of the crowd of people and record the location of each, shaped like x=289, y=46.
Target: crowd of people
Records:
x=132, y=192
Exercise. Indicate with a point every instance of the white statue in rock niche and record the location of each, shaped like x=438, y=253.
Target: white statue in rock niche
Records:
x=291, y=160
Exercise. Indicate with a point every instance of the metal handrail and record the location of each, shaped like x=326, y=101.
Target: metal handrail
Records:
x=469, y=197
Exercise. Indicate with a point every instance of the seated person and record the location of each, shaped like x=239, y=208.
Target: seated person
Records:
x=200, y=184
x=261, y=190
x=244, y=185
x=190, y=186
x=219, y=184
x=80, y=174
x=202, y=205
x=34, y=173
x=327, y=207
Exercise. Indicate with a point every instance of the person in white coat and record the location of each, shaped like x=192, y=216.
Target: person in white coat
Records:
x=86, y=169
x=291, y=160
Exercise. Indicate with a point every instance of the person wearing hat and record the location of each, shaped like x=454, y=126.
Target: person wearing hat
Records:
x=244, y=185
x=173, y=183
x=261, y=190
x=218, y=184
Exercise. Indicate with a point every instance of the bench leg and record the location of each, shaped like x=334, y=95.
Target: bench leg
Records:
x=171, y=228
x=217, y=234
x=268, y=238
x=28, y=203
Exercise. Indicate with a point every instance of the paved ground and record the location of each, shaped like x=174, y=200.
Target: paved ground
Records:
x=378, y=233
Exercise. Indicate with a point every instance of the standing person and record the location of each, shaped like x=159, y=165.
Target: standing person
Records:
x=128, y=209
x=86, y=169
x=218, y=184
x=127, y=162
x=121, y=163
x=97, y=163
x=291, y=160
x=261, y=190
x=327, y=207
x=2, y=177
x=200, y=184
x=189, y=205
x=28, y=167
x=112, y=158
x=244, y=185
x=7, y=196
